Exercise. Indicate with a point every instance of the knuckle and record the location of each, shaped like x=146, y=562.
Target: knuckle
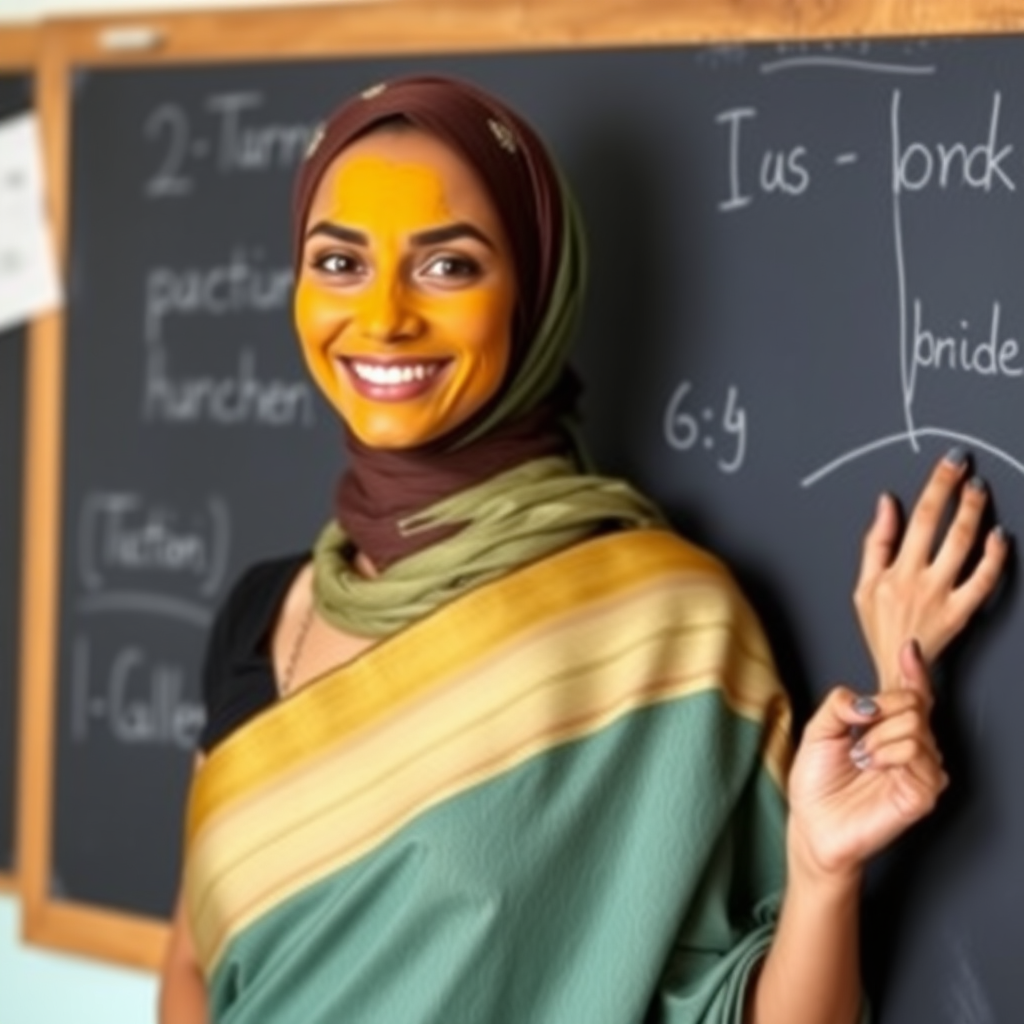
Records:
x=932, y=502
x=962, y=531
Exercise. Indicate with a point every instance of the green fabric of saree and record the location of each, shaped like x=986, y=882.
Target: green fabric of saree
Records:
x=557, y=799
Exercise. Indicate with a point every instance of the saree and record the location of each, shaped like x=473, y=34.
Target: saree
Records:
x=558, y=798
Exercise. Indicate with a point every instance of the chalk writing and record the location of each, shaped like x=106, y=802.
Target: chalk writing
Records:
x=123, y=538
x=991, y=356
x=240, y=397
x=784, y=170
x=686, y=430
x=982, y=163
x=243, y=395
x=238, y=285
x=917, y=165
x=229, y=139
x=139, y=700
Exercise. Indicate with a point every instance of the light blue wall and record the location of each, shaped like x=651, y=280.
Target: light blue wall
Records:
x=42, y=987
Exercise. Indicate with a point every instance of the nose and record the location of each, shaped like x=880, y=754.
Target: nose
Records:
x=386, y=311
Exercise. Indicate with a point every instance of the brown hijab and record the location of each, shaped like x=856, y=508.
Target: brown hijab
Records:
x=382, y=488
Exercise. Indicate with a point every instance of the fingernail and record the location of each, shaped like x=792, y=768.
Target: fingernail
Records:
x=956, y=456
x=999, y=532
x=860, y=758
x=865, y=706
x=858, y=751
x=976, y=483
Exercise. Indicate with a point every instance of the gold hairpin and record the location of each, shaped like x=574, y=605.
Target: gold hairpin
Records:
x=505, y=136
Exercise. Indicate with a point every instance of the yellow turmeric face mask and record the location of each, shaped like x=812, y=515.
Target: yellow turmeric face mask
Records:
x=406, y=293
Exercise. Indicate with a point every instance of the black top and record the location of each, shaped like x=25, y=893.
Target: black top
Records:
x=238, y=674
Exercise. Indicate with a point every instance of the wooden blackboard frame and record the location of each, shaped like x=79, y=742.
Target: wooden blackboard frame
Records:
x=18, y=55
x=383, y=28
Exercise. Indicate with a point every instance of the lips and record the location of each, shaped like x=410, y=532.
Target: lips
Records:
x=392, y=380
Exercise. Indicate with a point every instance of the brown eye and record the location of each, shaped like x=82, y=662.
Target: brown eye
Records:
x=451, y=268
x=337, y=264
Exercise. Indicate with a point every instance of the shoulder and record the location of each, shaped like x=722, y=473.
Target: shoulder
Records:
x=687, y=601
x=662, y=559
x=237, y=680
x=254, y=599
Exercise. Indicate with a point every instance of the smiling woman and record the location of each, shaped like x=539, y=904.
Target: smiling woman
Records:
x=406, y=290
x=505, y=747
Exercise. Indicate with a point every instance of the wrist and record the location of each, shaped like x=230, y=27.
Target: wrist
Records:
x=809, y=871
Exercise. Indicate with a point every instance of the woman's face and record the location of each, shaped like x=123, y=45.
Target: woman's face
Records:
x=406, y=291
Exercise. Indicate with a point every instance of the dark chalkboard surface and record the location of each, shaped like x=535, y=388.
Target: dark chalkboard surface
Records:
x=15, y=98
x=806, y=285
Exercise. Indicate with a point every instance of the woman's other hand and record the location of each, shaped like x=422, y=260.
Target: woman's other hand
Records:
x=867, y=768
x=914, y=589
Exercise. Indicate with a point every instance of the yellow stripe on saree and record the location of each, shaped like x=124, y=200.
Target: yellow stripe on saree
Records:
x=552, y=653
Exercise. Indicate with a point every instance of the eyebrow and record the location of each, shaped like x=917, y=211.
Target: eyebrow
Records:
x=432, y=236
x=336, y=231
x=449, y=233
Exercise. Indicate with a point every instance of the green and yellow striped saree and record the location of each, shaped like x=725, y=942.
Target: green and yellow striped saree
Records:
x=556, y=800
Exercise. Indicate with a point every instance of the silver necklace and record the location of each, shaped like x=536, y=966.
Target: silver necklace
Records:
x=285, y=686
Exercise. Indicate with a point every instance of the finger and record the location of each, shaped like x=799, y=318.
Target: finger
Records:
x=927, y=513
x=969, y=596
x=924, y=775
x=919, y=785
x=880, y=540
x=929, y=773
x=885, y=743
x=914, y=753
x=914, y=672
x=962, y=532
x=841, y=709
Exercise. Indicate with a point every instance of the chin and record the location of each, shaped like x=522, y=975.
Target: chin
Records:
x=392, y=440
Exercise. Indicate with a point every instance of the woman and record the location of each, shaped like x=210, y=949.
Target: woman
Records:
x=539, y=773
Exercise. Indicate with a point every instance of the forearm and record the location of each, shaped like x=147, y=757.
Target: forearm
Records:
x=183, y=996
x=811, y=974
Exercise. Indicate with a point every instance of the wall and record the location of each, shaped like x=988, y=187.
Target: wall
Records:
x=41, y=987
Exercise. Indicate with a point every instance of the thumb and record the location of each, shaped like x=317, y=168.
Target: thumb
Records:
x=913, y=671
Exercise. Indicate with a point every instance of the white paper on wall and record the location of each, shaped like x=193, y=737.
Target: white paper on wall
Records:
x=28, y=271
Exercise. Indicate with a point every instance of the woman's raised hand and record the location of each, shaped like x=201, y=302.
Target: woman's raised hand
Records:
x=866, y=770
x=912, y=589
x=868, y=767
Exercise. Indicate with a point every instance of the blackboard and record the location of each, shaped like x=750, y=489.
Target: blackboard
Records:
x=783, y=237
x=15, y=98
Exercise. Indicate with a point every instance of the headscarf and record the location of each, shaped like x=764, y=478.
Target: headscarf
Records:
x=505, y=487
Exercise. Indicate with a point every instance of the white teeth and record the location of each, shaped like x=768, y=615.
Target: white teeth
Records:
x=374, y=373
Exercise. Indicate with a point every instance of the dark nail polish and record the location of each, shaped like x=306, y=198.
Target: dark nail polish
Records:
x=1000, y=532
x=976, y=483
x=956, y=456
x=865, y=706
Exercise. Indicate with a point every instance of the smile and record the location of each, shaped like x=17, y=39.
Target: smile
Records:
x=392, y=380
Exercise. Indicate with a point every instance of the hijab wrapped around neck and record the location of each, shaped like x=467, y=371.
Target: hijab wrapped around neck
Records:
x=506, y=487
